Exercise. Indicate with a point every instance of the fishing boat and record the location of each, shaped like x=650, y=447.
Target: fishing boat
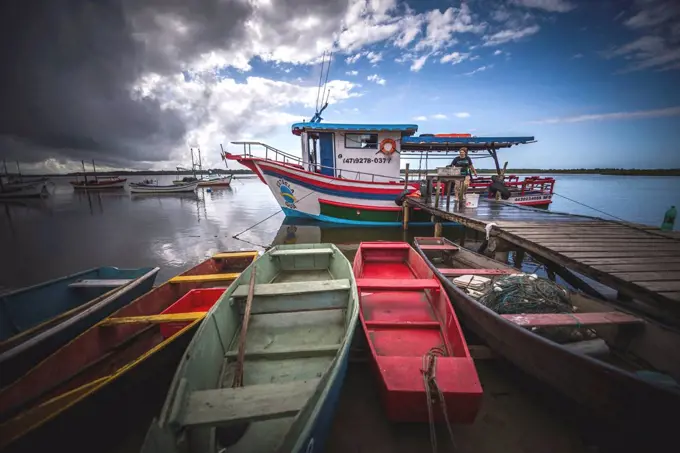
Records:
x=152, y=186
x=98, y=182
x=424, y=367
x=217, y=181
x=24, y=189
x=85, y=382
x=38, y=320
x=264, y=370
x=619, y=365
x=197, y=164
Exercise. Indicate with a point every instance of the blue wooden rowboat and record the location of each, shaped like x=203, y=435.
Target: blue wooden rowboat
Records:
x=38, y=320
x=265, y=369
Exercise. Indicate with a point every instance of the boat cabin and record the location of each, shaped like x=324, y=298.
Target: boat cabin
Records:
x=353, y=151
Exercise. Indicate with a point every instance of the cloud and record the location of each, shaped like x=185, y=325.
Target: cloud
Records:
x=374, y=57
x=577, y=55
x=553, y=6
x=419, y=62
x=353, y=58
x=498, y=52
x=657, y=113
x=420, y=118
x=510, y=35
x=441, y=27
x=479, y=69
x=352, y=73
x=438, y=116
x=462, y=115
x=377, y=79
x=648, y=51
x=653, y=13
x=454, y=58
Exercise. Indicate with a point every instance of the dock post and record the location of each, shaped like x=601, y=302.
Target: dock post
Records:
x=405, y=205
x=438, y=229
x=437, y=189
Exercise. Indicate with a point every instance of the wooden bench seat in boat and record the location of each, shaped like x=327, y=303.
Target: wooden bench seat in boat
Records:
x=155, y=319
x=301, y=252
x=100, y=283
x=572, y=319
x=385, y=245
x=230, y=255
x=251, y=403
x=205, y=278
x=312, y=295
x=438, y=247
x=300, y=352
x=386, y=284
x=291, y=288
x=458, y=272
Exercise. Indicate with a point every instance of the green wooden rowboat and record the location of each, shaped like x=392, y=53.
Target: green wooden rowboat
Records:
x=264, y=371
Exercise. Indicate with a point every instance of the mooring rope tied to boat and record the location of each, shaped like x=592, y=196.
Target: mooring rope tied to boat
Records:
x=433, y=392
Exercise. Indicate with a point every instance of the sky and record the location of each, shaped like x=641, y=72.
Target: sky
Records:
x=133, y=84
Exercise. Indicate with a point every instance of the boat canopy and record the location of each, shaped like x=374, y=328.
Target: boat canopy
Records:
x=405, y=129
x=432, y=143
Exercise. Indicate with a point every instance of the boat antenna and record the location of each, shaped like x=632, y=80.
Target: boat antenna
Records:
x=318, y=88
x=317, y=116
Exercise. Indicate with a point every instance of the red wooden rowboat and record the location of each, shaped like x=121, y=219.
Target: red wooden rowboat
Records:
x=410, y=323
x=74, y=393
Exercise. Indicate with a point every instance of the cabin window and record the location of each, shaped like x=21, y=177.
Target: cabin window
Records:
x=366, y=141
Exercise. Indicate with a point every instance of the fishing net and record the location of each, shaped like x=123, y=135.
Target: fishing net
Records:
x=524, y=293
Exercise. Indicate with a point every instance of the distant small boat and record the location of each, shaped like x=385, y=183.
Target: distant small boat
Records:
x=36, y=321
x=149, y=186
x=24, y=189
x=286, y=325
x=414, y=337
x=87, y=380
x=623, y=371
x=102, y=182
x=219, y=181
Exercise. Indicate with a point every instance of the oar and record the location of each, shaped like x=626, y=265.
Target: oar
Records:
x=238, y=374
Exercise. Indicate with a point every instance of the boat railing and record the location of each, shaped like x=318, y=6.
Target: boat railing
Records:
x=271, y=153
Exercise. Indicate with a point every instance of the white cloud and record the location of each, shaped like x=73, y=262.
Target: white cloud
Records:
x=498, y=52
x=420, y=118
x=352, y=73
x=553, y=6
x=377, y=79
x=479, y=69
x=462, y=115
x=353, y=58
x=454, y=58
x=510, y=35
x=649, y=52
x=653, y=13
x=441, y=27
x=374, y=57
x=577, y=55
x=657, y=113
x=439, y=116
x=419, y=62
x=475, y=57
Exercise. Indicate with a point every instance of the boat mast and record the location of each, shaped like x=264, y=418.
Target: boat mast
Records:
x=95, y=170
x=193, y=165
x=84, y=174
x=19, y=171
x=224, y=157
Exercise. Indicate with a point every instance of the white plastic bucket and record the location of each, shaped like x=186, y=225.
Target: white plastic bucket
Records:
x=471, y=200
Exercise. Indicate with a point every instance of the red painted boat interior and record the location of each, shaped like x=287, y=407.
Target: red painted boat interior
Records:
x=196, y=300
x=406, y=315
x=101, y=350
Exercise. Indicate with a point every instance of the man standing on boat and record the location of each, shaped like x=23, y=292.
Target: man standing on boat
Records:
x=463, y=162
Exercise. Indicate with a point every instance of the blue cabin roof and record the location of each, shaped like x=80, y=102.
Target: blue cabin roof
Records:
x=405, y=129
x=421, y=143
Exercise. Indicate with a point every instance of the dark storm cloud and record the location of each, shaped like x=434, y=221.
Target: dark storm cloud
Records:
x=68, y=68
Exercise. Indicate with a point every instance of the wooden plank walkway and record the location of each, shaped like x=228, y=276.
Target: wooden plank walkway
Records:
x=639, y=261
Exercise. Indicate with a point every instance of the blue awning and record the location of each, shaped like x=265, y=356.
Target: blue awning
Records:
x=405, y=129
x=428, y=143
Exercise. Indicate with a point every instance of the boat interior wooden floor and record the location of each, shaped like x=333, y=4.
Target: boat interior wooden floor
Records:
x=297, y=325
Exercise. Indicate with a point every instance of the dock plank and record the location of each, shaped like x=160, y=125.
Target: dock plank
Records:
x=290, y=288
x=648, y=276
x=661, y=286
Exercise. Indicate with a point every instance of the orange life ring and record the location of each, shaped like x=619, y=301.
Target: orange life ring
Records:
x=392, y=146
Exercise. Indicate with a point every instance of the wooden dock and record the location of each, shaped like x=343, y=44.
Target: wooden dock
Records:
x=641, y=262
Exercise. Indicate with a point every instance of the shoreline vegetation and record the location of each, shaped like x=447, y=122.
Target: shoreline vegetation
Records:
x=509, y=171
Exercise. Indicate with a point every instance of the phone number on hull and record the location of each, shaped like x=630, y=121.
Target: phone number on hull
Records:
x=365, y=160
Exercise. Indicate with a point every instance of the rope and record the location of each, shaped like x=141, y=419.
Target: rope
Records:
x=522, y=293
x=429, y=371
x=590, y=207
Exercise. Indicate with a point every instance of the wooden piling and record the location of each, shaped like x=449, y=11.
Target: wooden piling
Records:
x=405, y=205
x=438, y=229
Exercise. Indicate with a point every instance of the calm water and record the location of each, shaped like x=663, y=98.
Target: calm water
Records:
x=72, y=231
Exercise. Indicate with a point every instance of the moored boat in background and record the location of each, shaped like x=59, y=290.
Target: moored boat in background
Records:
x=417, y=345
x=152, y=186
x=264, y=371
x=621, y=366
x=37, y=320
x=85, y=382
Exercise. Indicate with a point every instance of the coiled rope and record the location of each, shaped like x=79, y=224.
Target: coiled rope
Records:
x=434, y=393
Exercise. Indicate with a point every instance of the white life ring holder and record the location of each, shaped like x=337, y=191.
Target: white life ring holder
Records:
x=388, y=146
